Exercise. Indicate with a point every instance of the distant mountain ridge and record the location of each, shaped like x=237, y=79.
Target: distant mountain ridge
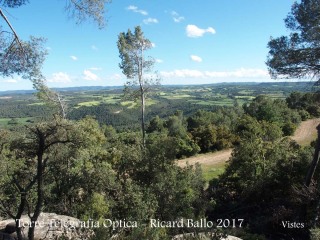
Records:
x=97, y=88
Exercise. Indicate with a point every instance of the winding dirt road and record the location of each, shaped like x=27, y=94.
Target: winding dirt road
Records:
x=304, y=134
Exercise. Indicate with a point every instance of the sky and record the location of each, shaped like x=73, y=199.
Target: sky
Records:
x=194, y=41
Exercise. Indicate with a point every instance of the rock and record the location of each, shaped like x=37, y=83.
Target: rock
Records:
x=202, y=236
x=6, y=236
x=48, y=226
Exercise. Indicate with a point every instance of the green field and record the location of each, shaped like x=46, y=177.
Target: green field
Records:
x=211, y=172
x=20, y=121
x=88, y=104
x=162, y=102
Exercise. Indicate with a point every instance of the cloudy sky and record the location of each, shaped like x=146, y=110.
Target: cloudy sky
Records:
x=194, y=41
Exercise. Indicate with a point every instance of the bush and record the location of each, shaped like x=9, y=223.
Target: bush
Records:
x=289, y=128
x=305, y=115
x=315, y=234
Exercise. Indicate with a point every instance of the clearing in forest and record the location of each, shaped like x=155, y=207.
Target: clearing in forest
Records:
x=304, y=135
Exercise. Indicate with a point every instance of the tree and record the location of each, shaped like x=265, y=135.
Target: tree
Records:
x=134, y=65
x=26, y=57
x=16, y=56
x=50, y=97
x=298, y=55
x=274, y=111
x=31, y=166
x=26, y=159
x=261, y=184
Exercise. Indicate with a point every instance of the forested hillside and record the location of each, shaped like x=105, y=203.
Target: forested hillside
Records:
x=108, y=174
x=99, y=163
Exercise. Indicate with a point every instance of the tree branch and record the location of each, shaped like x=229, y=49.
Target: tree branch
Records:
x=12, y=29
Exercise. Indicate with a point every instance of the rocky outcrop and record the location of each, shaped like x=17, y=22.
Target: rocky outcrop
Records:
x=48, y=226
x=202, y=236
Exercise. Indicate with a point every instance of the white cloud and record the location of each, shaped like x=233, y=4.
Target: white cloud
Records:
x=153, y=45
x=93, y=47
x=10, y=81
x=196, y=58
x=183, y=73
x=159, y=61
x=60, y=77
x=239, y=73
x=90, y=76
x=74, y=58
x=150, y=20
x=176, y=17
x=195, y=32
x=137, y=10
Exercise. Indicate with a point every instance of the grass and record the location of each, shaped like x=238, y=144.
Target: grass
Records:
x=213, y=171
x=129, y=104
x=246, y=92
x=88, y=104
x=178, y=96
x=133, y=104
x=4, y=121
x=111, y=100
x=245, y=97
x=223, y=102
x=21, y=121
x=37, y=104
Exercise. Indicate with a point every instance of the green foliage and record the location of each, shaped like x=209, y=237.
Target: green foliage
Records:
x=203, y=128
x=296, y=56
x=107, y=173
x=134, y=65
x=259, y=185
x=306, y=103
x=12, y=121
x=205, y=137
x=81, y=10
x=13, y=3
x=131, y=48
x=315, y=234
x=274, y=111
x=289, y=128
x=156, y=125
x=24, y=59
x=248, y=127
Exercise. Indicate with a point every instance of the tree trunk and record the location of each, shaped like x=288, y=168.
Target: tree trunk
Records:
x=19, y=214
x=143, y=107
x=314, y=162
x=40, y=169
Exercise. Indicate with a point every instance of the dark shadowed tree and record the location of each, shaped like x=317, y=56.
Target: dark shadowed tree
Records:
x=26, y=159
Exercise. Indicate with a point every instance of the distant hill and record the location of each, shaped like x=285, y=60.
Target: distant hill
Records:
x=308, y=85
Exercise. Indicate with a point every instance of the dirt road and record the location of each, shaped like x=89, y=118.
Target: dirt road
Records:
x=304, y=134
x=208, y=158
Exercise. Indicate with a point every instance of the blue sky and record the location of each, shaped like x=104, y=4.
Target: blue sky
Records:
x=195, y=41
